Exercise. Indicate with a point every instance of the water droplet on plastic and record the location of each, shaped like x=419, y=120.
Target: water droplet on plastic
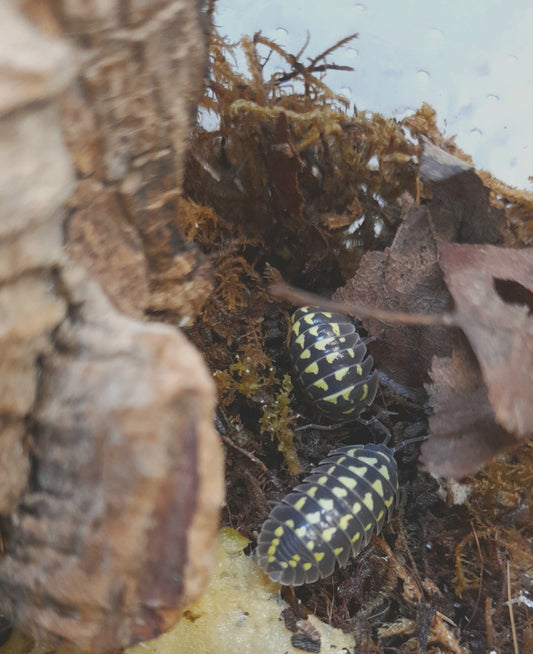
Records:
x=280, y=36
x=434, y=35
x=423, y=75
x=346, y=91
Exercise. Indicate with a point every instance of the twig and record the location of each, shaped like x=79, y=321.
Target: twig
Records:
x=480, y=571
x=334, y=47
x=283, y=291
x=510, y=605
x=251, y=456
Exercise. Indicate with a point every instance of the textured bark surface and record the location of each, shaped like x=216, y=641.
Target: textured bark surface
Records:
x=114, y=537
x=35, y=178
x=111, y=472
x=127, y=124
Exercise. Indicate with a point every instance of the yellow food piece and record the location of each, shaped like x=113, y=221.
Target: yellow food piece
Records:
x=238, y=614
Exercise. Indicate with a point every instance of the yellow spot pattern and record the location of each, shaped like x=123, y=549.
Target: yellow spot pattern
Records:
x=345, y=521
x=339, y=492
x=368, y=501
x=369, y=460
x=328, y=534
x=346, y=393
x=321, y=384
x=384, y=472
x=341, y=374
x=321, y=345
x=349, y=482
x=300, y=341
x=300, y=504
x=359, y=472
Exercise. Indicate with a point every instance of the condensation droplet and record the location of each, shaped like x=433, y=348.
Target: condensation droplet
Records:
x=346, y=91
x=359, y=7
x=351, y=53
x=281, y=36
x=475, y=131
x=492, y=98
x=422, y=75
x=434, y=35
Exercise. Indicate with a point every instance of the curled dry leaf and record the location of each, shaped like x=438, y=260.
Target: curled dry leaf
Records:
x=493, y=293
x=464, y=432
x=476, y=406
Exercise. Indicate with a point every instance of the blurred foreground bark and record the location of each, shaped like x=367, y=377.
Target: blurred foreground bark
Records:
x=111, y=478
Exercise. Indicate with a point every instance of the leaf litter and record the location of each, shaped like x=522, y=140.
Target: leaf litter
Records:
x=433, y=257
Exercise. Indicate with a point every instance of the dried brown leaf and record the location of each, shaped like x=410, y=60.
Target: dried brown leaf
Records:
x=464, y=432
x=406, y=277
x=437, y=164
x=492, y=289
x=460, y=206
